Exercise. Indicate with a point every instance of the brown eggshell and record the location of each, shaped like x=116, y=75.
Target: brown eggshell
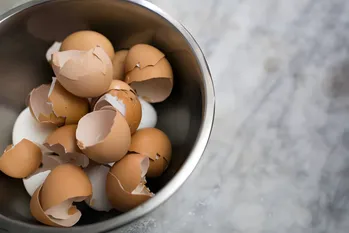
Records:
x=153, y=83
x=141, y=56
x=126, y=102
x=86, y=40
x=21, y=160
x=104, y=136
x=40, y=107
x=64, y=182
x=130, y=170
x=120, y=198
x=119, y=64
x=67, y=105
x=156, y=145
x=39, y=214
x=63, y=142
x=83, y=73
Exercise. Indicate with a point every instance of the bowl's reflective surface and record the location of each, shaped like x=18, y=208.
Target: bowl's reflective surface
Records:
x=28, y=31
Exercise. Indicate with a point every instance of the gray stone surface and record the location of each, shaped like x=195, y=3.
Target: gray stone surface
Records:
x=278, y=158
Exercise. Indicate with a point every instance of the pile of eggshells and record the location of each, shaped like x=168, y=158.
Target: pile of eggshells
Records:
x=89, y=135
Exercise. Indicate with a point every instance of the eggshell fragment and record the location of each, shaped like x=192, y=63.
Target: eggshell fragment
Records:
x=34, y=181
x=86, y=40
x=126, y=102
x=104, y=136
x=120, y=85
x=153, y=83
x=64, y=182
x=67, y=105
x=83, y=73
x=39, y=214
x=21, y=160
x=41, y=108
x=156, y=145
x=98, y=176
x=126, y=184
x=149, y=115
x=27, y=127
x=119, y=64
x=141, y=56
x=54, y=48
x=63, y=142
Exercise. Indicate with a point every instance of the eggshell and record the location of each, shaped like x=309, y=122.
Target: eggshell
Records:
x=86, y=40
x=120, y=85
x=149, y=115
x=98, y=176
x=119, y=64
x=34, y=181
x=104, y=136
x=153, y=83
x=39, y=214
x=125, y=184
x=27, y=127
x=126, y=102
x=83, y=73
x=63, y=142
x=40, y=108
x=141, y=56
x=156, y=145
x=54, y=48
x=64, y=182
x=21, y=160
x=67, y=105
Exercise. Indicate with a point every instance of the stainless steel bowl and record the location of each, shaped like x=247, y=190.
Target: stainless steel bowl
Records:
x=27, y=31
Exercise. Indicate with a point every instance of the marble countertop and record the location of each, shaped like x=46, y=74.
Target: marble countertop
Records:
x=278, y=158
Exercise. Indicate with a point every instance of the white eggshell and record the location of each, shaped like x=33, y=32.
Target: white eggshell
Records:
x=54, y=48
x=98, y=176
x=34, y=182
x=149, y=116
x=27, y=127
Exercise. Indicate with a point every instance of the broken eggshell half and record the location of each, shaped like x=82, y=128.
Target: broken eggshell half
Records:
x=63, y=142
x=65, y=182
x=83, y=73
x=34, y=181
x=99, y=200
x=156, y=145
x=53, y=104
x=126, y=102
x=21, y=160
x=125, y=185
x=104, y=136
x=141, y=56
x=70, y=213
x=153, y=83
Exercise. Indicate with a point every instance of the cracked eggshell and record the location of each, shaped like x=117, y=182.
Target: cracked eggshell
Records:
x=104, y=136
x=149, y=115
x=34, y=181
x=63, y=142
x=21, y=160
x=153, y=83
x=39, y=214
x=125, y=184
x=67, y=105
x=65, y=182
x=40, y=107
x=119, y=64
x=126, y=102
x=27, y=127
x=98, y=176
x=86, y=40
x=83, y=73
x=156, y=145
x=141, y=56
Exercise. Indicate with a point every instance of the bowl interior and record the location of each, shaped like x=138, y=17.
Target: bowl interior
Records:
x=25, y=38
